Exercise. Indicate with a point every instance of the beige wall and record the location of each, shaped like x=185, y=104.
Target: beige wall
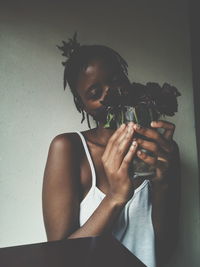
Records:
x=153, y=36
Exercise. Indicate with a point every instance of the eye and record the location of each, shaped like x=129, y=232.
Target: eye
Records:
x=95, y=93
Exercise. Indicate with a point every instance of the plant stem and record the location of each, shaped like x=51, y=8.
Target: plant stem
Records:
x=122, y=114
x=151, y=114
x=134, y=111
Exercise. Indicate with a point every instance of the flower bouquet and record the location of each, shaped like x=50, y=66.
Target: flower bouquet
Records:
x=141, y=104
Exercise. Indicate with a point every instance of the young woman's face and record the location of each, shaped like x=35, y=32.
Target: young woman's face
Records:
x=93, y=84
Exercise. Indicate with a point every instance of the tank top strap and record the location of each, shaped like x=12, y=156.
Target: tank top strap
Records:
x=88, y=157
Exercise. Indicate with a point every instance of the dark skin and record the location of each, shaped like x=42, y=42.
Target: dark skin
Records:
x=112, y=151
x=92, y=87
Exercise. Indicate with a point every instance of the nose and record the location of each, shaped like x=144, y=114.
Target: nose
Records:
x=105, y=93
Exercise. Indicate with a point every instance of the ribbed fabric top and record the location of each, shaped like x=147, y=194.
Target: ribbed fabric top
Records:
x=133, y=228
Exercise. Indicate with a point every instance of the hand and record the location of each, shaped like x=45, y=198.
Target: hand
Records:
x=163, y=147
x=116, y=160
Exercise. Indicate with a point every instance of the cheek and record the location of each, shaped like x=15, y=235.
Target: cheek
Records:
x=97, y=111
x=100, y=113
x=91, y=105
x=93, y=108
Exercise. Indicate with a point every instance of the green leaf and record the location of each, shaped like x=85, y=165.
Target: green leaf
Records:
x=109, y=118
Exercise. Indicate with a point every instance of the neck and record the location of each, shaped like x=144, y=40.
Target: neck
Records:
x=103, y=134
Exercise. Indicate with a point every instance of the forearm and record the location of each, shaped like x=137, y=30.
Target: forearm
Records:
x=160, y=201
x=165, y=217
x=101, y=221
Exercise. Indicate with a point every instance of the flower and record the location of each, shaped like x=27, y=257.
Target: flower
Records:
x=150, y=102
x=168, y=104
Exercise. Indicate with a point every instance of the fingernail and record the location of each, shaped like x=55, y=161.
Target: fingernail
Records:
x=153, y=123
x=137, y=126
x=134, y=143
x=129, y=125
x=122, y=125
x=139, y=152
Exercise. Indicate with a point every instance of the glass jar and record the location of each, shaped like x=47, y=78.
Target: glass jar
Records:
x=143, y=116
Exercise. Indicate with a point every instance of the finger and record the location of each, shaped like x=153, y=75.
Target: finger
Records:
x=122, y=146
x=128, y=158
x=151, y=146
x=162, y=159
x=114, y=155
x=123, y=141
x=146, y=158
x=154, y=148
x=168, y=126
x=112, y=139
x=152, y=134
x=128, y=131
x=156, y=162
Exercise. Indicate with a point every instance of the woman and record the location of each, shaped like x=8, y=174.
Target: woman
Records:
x=87, y=189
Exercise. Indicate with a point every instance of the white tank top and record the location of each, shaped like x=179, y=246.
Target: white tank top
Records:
x=133, y=228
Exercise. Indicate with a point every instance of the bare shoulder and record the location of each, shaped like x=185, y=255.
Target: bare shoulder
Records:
x=66, y=144
x=61, y=186
x=65, y=141
x=63, y=158
x=71, y=140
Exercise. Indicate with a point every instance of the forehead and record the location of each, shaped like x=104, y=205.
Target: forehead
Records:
x=96, y=71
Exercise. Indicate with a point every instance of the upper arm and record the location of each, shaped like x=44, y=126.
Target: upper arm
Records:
x=173, y=210
x=60, y=193
x=176, y=184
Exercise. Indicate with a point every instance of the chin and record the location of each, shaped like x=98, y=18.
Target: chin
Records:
x=100, y=114
x=100, y=117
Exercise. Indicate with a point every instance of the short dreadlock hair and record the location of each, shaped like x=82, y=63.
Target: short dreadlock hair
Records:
x=78, y=59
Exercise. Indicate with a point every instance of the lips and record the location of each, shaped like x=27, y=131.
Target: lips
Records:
x=100, y=114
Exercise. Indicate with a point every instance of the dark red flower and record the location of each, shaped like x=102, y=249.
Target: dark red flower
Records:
x=167, y=103
x=150, y=101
